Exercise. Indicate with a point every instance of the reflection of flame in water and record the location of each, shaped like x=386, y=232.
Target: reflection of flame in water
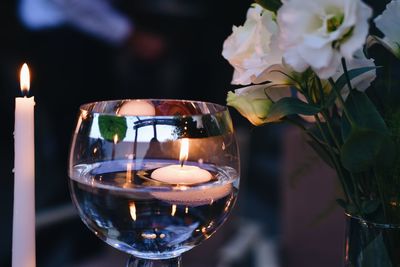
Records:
x=128, y=173
x=149, y=236
x=184, y=152
x=128, y=176
x=132, y=210
x=173, y=211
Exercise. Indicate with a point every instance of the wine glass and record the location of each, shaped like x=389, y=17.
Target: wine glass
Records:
x=153, y=178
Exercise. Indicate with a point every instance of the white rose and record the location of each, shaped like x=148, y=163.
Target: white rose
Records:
x=387, y=23
x=318, y=33
x=253, y=50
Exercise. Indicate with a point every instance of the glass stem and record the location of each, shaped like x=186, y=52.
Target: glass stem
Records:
x=136, y=262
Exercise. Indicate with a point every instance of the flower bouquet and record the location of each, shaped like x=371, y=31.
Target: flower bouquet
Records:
x=311, y=63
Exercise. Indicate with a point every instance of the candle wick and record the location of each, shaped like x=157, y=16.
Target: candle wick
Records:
x=182, y=162
x=25, y=93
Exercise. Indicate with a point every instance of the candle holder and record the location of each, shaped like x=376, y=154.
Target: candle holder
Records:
x=153, y=178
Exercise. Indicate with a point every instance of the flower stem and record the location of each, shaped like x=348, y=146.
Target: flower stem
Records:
x=305, y=130
x=341, y=100
x=331, y=153
x=331, y=132
x=321, y=90
x=330, y=129
x=325, y=115
x=356, y=194
x=335, y=161
x=346, y=73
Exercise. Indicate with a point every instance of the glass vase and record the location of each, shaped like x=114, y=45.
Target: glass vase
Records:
x=153, y=178
x=370, y=244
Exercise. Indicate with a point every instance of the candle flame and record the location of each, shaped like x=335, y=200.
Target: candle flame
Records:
x=173, y=211
x=25, y=78
x=184, y=153
x=115, y=138
x=132, y=210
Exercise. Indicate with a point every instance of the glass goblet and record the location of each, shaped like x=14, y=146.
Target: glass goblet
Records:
x=153, y=178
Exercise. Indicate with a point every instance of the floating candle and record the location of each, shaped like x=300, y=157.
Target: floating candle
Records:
x=182, y=174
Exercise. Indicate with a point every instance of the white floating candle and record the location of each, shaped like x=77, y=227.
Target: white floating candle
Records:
x=185, y=175
x=23, y=242
x=182, y=174
x=188, y=175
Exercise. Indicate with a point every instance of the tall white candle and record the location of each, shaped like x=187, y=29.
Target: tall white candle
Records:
x=23, y=244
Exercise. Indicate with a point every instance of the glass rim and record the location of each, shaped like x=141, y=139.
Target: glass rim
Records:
x=374, y=224
x=90, y=107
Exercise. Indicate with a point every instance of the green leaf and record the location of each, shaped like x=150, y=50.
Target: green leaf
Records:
x=370, y=206
x=112, y=127
x=348, y=207
x=354, y=73
x=290, y=106
x=365, y=148
x=364, y=114
x=367, y=141
x=352, y=209
x=316, y=131
x=271, y=5
x=342, y=81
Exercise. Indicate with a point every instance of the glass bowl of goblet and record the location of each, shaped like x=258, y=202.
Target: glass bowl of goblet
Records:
x=153, y=178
